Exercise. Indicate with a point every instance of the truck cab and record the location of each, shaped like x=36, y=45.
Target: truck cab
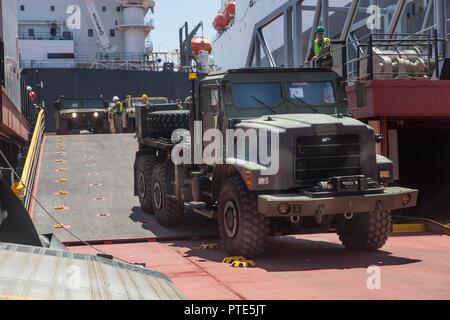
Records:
x=292, y=159
x=81, y=114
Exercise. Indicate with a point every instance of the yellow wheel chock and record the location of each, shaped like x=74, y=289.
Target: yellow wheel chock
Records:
x=243, y=264
x=61, y=193
x=61, y=180
x=209, y=246
x=232, y=259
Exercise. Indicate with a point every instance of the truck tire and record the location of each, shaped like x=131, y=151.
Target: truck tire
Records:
x=365, y=231
x=167, y=209
x=144, y=172
x=63, y=126
x=105, y=126
x=243, y=230
x=163, y=123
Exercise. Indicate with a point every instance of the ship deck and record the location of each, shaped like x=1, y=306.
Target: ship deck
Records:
x=99, y=206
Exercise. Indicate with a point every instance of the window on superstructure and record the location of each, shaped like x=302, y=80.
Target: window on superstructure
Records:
x=90, y=32
x=22, y=8
x=118, y=9
x=112, y=33
x=31, y=33
x=52, y=8
x=104, y=9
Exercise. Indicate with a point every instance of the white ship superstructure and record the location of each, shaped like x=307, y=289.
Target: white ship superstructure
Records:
x=69, y=33
x=278, y=32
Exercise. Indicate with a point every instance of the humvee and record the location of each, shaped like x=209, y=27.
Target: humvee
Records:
x=329, y=177
x=81, y=114
x=130, y=108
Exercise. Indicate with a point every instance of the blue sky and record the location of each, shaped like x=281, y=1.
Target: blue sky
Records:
x=170, y=15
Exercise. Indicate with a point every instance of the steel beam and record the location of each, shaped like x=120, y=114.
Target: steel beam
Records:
x=297, y=24
x=397, y=16
x=316, y=21
x=266, y=48
x=288, y=39
x=428, y=13
x=325, y=14
x=350, y=19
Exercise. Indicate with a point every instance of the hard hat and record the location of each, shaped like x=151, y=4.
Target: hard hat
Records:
x=115, y=99
x=29, y=88
x=144, y=96
x=320, y=29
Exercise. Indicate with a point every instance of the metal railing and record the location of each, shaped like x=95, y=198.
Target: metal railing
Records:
x=375, y=47
x=24, y=188
x=65, y=35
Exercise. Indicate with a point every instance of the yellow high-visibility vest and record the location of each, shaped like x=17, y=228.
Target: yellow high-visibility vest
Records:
x=318, y=47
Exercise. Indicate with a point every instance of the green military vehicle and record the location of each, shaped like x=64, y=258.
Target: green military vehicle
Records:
x=81, y=114
x=329, y=177
x=130, y=107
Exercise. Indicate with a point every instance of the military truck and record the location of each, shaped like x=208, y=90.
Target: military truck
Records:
x=130, y=107
x=81, y=114
x=329, y=176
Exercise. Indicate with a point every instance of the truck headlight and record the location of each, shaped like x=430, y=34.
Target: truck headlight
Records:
x=284, y=208
x=74, y=115
x=96, y=114
x=385, y=174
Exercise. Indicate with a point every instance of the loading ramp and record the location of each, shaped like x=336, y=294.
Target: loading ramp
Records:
x=86, y=182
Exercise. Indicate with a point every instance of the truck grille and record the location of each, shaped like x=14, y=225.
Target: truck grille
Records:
x=319, y=158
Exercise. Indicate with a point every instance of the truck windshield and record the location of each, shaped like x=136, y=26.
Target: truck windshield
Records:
x=253, y=95
x=85, y=104
x=312, y=92
x=72, y=104
x=94, y=103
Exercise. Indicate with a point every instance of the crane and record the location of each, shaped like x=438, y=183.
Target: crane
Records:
x=102, y=35
x=186, y=54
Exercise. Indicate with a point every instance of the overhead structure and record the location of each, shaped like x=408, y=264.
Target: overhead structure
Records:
x=134, y=27
x=297, y=42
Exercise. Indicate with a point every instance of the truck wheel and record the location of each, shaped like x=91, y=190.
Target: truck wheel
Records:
x=243, y=230
x=365, y=231
x=63, y=126
x=168, y=210
x=105, y=126
x=144, y=175
x=163, y=123
x=131, y=127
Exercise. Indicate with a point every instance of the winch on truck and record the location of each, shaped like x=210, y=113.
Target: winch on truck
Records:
x=329, y=176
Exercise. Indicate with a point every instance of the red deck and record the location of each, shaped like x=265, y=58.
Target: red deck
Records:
x=11, y=120
x=403, y=99
x=301, y=267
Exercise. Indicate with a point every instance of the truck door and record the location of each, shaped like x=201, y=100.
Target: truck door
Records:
x=210, y=108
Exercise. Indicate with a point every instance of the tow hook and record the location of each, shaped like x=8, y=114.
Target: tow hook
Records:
x=348, y=215
x=319, y=213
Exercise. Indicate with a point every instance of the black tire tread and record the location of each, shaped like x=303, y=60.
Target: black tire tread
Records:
x=172, y=209
x=162, y=124
x=256, y=226
x=147, y=162
x=369, y=231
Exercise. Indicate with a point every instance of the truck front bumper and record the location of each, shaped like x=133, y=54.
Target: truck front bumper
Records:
x=392, y=198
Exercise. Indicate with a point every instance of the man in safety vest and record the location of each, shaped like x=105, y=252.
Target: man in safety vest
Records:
x=321, y=50
x=117, y=115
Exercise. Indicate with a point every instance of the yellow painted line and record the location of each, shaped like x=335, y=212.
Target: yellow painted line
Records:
x=409, y=228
